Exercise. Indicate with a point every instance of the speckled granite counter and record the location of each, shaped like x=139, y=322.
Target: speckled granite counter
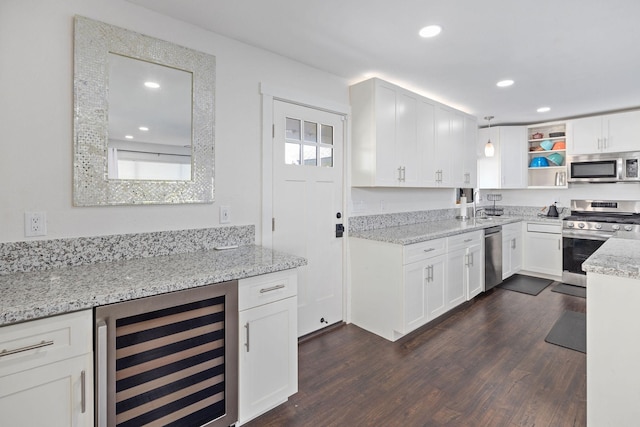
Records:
x=31, y=295
x=618, y=256
x=416, y=233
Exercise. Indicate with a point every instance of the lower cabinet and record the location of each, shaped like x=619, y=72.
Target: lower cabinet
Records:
x=543, y=249
x=268, y=344
x=511, y=249
x=46, y=372
x=396, y=289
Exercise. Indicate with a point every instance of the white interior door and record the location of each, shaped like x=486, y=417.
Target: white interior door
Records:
x=307, y=205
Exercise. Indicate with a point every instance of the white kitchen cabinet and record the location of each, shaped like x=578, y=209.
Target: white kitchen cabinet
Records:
x=465, y=267
x=401, y=139
x=511, y=249
x=49, y=367
x=396, y=288
x=508, y=167
x=609, y=133
x=384, y=135
x=543, y=249
x=268, y=343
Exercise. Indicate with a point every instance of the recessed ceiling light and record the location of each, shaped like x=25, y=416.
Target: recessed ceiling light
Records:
x=143, y=128
x=152, y=85
x=129, y=136
x=430, y=31
x=504, y=83
x=543, y=109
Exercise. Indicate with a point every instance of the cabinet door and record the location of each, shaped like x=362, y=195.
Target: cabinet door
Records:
x=475, y=271
x=543, y=253
x=586, y=135
x=415, y=295
x=470, y=153
x=623, y=130
x=50, y=395
x=427, y=143
x=385, y=133
x=446, y=146
x=513, y=157
x=268, y=357
x=507, y=243
x=456, y=287
x=436, y=274
x=407, y=138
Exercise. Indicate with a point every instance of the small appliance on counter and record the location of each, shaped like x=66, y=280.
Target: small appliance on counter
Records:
x=553, y=211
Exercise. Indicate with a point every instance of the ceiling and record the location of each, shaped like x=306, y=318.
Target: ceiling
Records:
x=578, y=57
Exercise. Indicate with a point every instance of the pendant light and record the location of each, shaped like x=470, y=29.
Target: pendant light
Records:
x=489, y=149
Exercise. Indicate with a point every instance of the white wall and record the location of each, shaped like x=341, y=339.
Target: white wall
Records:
x=36, y=101
x=369, y=201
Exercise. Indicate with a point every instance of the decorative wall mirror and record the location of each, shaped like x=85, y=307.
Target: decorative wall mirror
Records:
x=143, y=119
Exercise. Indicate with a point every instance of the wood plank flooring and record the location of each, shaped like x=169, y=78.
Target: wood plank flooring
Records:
x=486, y=365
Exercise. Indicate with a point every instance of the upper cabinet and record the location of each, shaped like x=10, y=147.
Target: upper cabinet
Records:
x=508, y=167
x=401, y=139
x=605, y=134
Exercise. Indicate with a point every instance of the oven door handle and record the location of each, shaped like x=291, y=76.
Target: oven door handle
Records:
x=589, y=235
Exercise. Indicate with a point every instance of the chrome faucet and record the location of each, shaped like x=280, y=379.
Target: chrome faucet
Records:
x=484, y=214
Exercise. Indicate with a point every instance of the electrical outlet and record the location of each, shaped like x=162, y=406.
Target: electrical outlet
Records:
x=225, y=214
x=35, y=224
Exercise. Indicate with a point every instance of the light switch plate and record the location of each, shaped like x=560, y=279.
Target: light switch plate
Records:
x=225, y=214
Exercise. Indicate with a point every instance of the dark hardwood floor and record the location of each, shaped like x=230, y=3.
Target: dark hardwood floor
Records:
x=486, y=365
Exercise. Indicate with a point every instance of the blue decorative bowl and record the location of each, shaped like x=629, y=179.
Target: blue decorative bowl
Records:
x=556, y=159
x=538, y=162
x=546, y=144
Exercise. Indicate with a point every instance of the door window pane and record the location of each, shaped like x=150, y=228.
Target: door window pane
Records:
x=326, y=157
x=310, y=132
x=293, y=129
x=326, y=134
x=291, y=154
x=310, y=156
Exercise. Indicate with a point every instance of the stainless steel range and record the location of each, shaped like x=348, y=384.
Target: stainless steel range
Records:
x=590, y=224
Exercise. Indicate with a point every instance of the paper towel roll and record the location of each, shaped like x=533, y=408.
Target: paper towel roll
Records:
x=463, y=206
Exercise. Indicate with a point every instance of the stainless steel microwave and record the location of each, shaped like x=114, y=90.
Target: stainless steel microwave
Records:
x=604, y=167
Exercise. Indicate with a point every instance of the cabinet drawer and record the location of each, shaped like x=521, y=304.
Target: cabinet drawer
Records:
x=464, y=240
x=258, y=290
x=544, y=228
x=423, y=250
x=43, y=341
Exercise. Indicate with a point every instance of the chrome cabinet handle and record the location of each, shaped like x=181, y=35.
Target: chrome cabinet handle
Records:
x=41, y=344
x=431, y=273
x=399, y=173
x=404, y=174
x=429, y=250
x=513, y=243
x=272, y=288
x=101, y=377
x=246, y=344
x=83, y=391
x=467, y=240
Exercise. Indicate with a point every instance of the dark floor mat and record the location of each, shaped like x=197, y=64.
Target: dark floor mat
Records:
x=525, y=284
x=576, y=291
x=570, y=331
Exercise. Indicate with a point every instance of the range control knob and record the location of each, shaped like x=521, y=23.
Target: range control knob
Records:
x=628, y=228
x=581, y=224
x=570, y=224
x=615, y=227
x=598, y=226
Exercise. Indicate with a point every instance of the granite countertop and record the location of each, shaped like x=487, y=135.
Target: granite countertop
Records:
x=32, y=295
x=619, y=256
x=421, y=232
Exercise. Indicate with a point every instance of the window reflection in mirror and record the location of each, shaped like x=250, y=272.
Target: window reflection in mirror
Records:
x=149, y=121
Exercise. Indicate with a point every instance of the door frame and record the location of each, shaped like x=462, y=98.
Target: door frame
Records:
x=270, y=94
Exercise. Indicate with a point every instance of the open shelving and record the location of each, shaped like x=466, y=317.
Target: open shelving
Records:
x=545, y=176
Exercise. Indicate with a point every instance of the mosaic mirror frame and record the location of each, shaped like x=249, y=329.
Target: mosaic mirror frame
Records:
x=93, y=41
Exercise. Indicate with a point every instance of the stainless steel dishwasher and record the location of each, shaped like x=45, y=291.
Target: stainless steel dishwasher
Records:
x=492, y=257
